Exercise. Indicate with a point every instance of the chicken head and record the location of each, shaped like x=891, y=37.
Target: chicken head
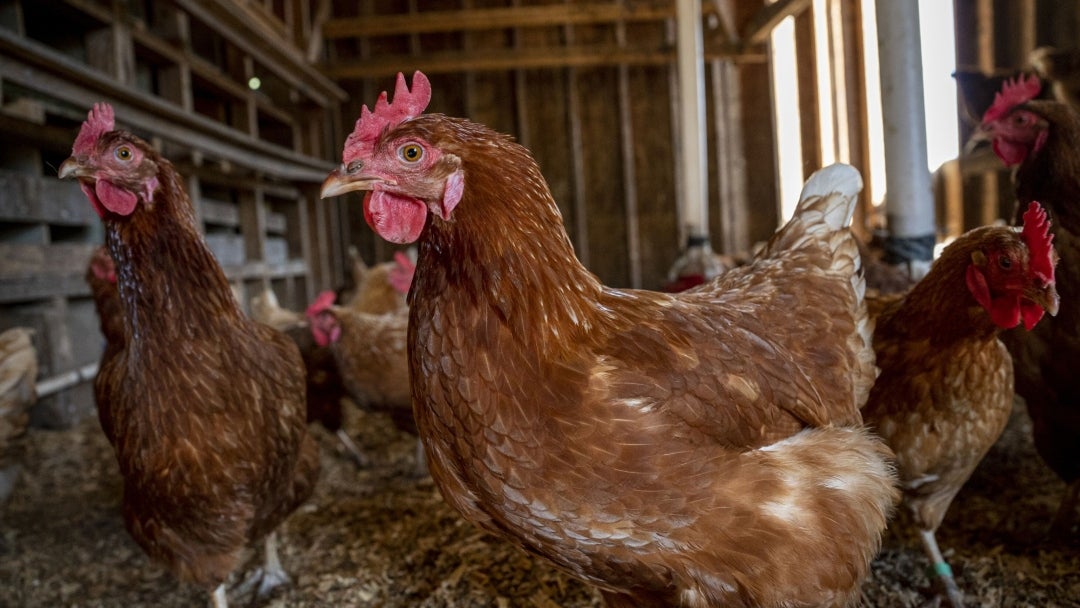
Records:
x=1014, y=279
x=406, y=176
x=325, y=327
x=1015, y=130
x=112, y=167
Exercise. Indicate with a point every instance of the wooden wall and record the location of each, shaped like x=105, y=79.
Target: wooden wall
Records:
x=177, y=73
x=589, y=87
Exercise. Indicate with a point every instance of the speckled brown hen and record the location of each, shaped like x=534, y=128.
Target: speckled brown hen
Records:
x=1041, y=138
x=695, y=449
x=206, y=406
x=945, y=391
x=380, y=288
x=101, y=278
x=370, y=351
x=324, y=388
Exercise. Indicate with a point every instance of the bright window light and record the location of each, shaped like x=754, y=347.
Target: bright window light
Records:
x=785, y=89
x=939, y=87
x=824, y=71
x=875, y=129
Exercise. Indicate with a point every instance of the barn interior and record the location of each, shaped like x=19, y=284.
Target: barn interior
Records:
x=668, y=131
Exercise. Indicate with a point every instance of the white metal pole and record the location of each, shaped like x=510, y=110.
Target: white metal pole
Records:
x=909, y=202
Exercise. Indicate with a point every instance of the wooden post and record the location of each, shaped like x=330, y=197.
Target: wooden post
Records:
x=730, y=157
x=626, y=141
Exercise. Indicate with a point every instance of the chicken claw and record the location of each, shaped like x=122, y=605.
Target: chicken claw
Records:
x=941, y=572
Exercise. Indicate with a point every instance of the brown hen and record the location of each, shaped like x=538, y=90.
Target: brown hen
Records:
x=370, y=351
x=1041, y=138
x=946, y=386
x=206, y=406
x=101, y=278
x=695, y=449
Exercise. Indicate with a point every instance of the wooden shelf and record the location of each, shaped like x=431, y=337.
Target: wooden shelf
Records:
x=179, y=73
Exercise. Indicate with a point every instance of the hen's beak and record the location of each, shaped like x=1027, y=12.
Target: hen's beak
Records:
x=982, y=135
x=339, y=182
x=1046, y=296
x=71, y=168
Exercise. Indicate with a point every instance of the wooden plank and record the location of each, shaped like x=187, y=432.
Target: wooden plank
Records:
x=47, y=137
x=855, y=110
x=276, y=222
x=253, y=223
x=577, y=162
x=498, y=18
x=11, y=17
x=228, y=248
x=37, y=67
x=262, y=270
x=806, y=60
x=316, y=41
x=219, y=213
x=29, y=198
x=194, y=191
x=24, y=261
x=599, y=55
x=189, y=64
x=654, y=170
x=730, y=158
x=757, y=29
x=629, y=169
x=109, y=50
x=230, y=20
x=761, y=207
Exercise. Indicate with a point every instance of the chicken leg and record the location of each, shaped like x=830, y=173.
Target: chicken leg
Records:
x=352, y=448
x=218, y=597
x=942, y=573
x=271, y=576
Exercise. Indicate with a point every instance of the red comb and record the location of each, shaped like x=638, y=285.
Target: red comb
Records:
x=1013, y=92
x=1040, y=242
x=98, y=121
x=407, y=104
x=322, y=302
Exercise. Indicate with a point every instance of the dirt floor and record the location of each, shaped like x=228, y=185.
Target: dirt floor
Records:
x=379, y=536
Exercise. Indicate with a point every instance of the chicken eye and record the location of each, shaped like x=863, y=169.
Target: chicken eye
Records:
x=410, y=153
x=1005, y=262
x=123, y=153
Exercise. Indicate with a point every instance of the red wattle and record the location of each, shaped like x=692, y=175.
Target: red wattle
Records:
x=395, y=218
x=1011, y=154
x=115, y=199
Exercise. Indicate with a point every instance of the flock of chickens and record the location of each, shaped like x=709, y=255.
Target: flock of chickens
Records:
x=740, y=443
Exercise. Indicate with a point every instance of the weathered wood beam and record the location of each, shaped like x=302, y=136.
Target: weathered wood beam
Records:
x=759, y=27
x=315, y=37
x=499, y=18
x=239, y=26
x=38, y=67
x=524, y=58
x=209, y=72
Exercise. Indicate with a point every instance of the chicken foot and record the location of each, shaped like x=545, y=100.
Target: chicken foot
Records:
x=942, y=573
x=218, y=597
x=1066, y=513
x=271, y=576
